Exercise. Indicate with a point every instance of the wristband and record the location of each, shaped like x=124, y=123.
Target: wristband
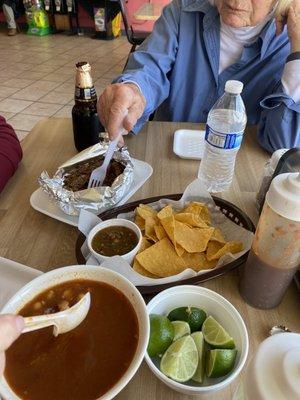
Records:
x=293, y=56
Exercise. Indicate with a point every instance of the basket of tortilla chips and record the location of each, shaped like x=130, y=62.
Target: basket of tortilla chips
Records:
x=176, y=240
x=187, y=238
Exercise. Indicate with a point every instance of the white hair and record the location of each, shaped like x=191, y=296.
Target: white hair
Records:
x=282, y=7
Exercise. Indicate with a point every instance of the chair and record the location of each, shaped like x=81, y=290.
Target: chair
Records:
x=134, y=38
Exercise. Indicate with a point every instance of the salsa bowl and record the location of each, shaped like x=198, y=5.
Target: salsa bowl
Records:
x=96, y=275
x=115, y=223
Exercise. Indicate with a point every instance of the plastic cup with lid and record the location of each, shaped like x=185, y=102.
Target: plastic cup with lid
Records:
x=274, y=372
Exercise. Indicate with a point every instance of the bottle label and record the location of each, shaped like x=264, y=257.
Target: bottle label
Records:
x=85, y=94
x=223, y=140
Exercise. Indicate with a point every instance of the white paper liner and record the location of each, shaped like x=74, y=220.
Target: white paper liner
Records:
x=194, y=192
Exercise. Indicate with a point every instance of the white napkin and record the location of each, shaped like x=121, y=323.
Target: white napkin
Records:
x=194, y=192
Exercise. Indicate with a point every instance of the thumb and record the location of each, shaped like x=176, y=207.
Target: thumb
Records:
x=11, y=327
x=134, y=113
x=121, y=142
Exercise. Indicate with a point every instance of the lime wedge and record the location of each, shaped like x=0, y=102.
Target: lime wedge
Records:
x=181, y=329
x=199, y=342
x=192, y=315
x=161, y=335
x=215, y=335
x=180, y=361
x=220, y=362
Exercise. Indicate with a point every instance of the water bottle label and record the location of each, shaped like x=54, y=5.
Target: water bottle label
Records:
x=223, y=140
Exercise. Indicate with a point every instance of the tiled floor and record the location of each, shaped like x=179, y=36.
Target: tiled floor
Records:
x=37, y=74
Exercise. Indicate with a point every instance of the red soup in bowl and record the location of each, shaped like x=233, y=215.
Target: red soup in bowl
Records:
x=84, y=363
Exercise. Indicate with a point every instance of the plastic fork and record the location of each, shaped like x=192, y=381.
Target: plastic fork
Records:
x=98, y=175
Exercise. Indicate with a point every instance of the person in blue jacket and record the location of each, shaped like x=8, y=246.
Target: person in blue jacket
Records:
x=195, y=47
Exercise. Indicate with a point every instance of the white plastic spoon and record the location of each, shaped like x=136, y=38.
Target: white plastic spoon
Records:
x=63, y=321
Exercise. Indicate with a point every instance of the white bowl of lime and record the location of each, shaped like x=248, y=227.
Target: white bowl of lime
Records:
x=211, y=341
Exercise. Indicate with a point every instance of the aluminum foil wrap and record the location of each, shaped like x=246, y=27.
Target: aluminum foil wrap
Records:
x=95, y=200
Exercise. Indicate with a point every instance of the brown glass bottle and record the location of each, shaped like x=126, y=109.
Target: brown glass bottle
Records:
x=86, y=124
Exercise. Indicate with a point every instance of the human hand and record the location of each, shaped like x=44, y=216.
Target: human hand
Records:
x=291, y=18
x=10, y=329
x=113, y=104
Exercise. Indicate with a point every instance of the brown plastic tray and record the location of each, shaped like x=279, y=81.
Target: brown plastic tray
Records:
x=231, y=211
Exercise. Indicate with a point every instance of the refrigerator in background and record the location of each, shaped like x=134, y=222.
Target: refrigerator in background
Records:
x=107, y=17
x=36, y=17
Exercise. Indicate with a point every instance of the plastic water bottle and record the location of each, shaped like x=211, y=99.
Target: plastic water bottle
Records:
x=224, y=133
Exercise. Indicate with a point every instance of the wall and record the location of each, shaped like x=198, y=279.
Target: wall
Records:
x=138, y=25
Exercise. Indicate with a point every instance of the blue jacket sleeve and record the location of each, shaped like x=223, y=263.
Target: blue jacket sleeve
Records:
x=279, y=125
x=149, y=65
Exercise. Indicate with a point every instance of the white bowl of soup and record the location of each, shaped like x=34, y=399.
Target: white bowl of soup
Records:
x=94, y=361
x=115, y=237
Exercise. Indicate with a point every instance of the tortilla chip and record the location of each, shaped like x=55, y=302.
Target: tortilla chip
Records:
x=144, y=244
x=161, y=259
x=147, y=208
x=145, y=211
x=212, y=248
x=191, y=219
x=198, y=261
x=140, y=222
x=165, y=212
x=199, y=209
x=168, y=224
x=160, y=232
x=149, y=229
x=142, y=271
x=216, y=250
x=193, y=240
x=205, y=215
x=194, y=207
x=218, y=236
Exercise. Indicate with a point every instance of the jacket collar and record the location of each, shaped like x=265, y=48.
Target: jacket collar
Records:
x=198, y=6
x=211, y=14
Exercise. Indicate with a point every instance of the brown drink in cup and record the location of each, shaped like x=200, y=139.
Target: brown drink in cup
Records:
x=275, y=254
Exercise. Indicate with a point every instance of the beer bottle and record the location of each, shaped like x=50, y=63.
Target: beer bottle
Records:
x=86, y=124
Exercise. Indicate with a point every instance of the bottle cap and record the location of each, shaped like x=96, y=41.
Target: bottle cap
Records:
x=284, y=195
x=83, y=78
x=274, y=372
x=234, y=87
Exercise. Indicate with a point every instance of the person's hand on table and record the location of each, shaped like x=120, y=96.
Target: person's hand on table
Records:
x=10, y=329
x=292, y=20
x=113, y=104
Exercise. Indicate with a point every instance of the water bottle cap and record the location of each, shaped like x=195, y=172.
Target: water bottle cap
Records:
x=274, y=372
x=234, y=87
x=284, y=195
